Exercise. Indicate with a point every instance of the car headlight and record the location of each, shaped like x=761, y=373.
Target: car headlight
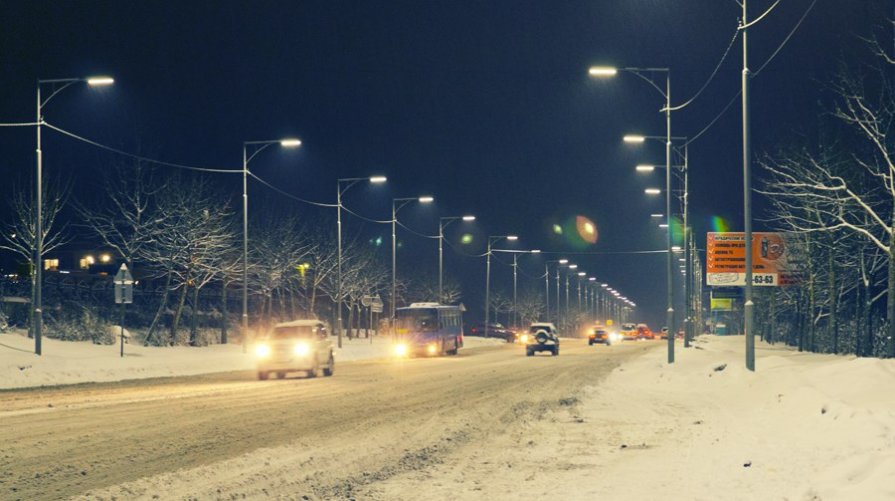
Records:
x=432, y=349
x=524, y=338
x=401, y=350
x=262, y=351
x=302, y=349
x=615, y=336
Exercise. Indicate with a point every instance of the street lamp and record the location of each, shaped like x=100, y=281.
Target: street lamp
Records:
x=443, y=223
x=515, y=277
x=666, y=93
x=397, y=204
x=652, y=191
x=645, y=168
x=349, y=181
x=491, y=241
x=257, y=147
x=547, y=283
x=57, y=85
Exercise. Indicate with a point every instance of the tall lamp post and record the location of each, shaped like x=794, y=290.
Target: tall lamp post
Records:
x=608, y=72
x=443, y=223
x=57, y=85
x=348, y=182
x=683, y=168
x=397, y=204
x=247, y=156
x=515, y=279
x=491, y=241
x=547, y=283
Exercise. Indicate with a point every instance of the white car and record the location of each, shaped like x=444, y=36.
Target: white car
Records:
x=541, y=336
x=300, y=345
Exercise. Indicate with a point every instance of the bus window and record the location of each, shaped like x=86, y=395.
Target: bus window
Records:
x=418, y=320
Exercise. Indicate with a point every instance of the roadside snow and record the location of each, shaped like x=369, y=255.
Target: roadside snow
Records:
x=803, y=427
x=72, y=362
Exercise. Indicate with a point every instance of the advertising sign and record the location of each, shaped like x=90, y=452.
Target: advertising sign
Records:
x=722, y=304
x=726, y=259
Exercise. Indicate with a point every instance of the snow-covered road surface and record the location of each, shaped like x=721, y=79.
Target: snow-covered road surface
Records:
x=223, y=436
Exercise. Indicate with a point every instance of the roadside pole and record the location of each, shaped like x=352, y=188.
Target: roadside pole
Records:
x=124, y=294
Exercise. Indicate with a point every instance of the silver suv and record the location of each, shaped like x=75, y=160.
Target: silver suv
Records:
x=541, y=336
x=300, y=345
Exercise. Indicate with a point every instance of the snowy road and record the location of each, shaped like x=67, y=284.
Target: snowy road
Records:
x=225, y=435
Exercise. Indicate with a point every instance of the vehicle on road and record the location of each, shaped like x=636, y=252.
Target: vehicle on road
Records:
x=429, y=329
x=497, y=330
x=602, y=335
x=644, y=332
x=297, y=346
x=628, y=332
x=664, y=335
x=541, y=336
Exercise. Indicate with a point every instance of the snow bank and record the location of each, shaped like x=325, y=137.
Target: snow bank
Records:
x=803, y=426
x=71, y=362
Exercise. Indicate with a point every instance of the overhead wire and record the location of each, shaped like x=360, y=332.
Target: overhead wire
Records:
x=736, y=33
x=19, y=124
x=762, y=67
x=785, y=40
x=139, y=157
x=369, y=220
x=402, y=225
x=289, y=195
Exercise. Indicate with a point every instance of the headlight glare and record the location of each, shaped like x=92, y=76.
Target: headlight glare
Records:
x=401, y=350
x=262, y=351
x=302, y=349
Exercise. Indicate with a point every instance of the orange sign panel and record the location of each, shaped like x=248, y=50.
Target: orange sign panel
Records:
x=726, y=259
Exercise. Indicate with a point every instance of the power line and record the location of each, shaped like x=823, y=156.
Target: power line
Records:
x=289, y=195
x=19, y=124
x=138, y=157
x=785, y=40
x=736, y=33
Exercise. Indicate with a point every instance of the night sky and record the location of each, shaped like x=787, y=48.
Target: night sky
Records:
x=485, y=105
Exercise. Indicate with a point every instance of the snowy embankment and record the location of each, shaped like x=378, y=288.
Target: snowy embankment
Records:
x=72, y=362
x=803, y=426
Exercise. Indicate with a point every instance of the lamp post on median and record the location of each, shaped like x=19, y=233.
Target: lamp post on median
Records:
x=491, y=241
x=397, y=204
x=639, y=72
x=515, y=279
x=547, y=284
x=57, y=85
x=349, y=182
x=443, y=223
x=257, y=147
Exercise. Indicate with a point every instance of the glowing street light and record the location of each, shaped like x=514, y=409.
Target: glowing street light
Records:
x=443, y=223
x=351, y=181
x=634, y=138
x=645, y=168
x=491, y=241
x=56, y=85
x=602, y=71
x=652, y=191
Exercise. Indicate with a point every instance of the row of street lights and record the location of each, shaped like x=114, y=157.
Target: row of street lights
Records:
x=57, y=85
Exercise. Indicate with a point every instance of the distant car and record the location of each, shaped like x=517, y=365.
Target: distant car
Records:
x=494, y=330
x=628, y=332
x=602, y=335
x=644, y=332
x=300, y=345
x=680, y=334
x=541, y=336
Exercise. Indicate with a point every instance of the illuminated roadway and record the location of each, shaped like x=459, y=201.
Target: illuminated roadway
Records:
x=370, y=421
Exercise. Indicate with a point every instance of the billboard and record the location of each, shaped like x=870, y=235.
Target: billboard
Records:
x=726, y=259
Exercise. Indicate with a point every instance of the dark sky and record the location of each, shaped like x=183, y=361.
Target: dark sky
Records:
x=485, y=105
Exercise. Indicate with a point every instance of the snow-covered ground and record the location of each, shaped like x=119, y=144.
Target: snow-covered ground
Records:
x=70, y=362
x=803, y=427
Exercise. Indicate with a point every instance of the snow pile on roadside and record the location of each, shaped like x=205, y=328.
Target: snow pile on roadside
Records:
x=72, y=362
x=803, y=426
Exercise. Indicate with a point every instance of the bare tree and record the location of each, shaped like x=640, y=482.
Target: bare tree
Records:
x=19, y=234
